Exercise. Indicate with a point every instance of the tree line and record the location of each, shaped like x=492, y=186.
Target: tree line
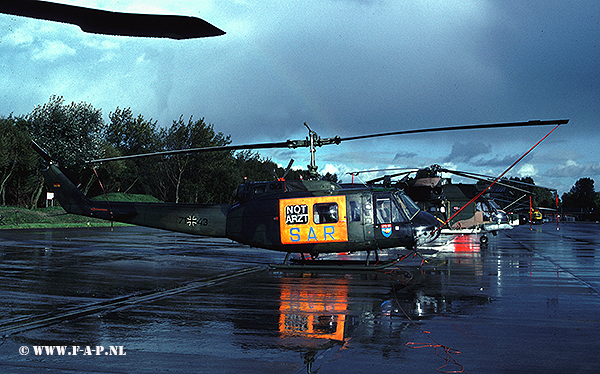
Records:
x=76, y=132
x=582, y=200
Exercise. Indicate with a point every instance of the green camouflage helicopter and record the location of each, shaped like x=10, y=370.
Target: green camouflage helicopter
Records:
x=288, y=216
x=440, y=197
x=460, y=208
x=295, y=216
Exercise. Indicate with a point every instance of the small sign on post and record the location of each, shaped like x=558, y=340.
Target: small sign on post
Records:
x=50, y=197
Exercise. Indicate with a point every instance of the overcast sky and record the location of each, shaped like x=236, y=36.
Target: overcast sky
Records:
x=346, y=67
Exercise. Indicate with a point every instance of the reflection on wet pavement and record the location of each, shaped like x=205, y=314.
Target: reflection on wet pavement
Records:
x=528, y=301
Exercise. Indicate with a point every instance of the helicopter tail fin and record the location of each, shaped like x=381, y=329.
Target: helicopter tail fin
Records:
x=67, y=193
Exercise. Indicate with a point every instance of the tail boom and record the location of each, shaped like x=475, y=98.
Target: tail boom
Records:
x=198, y=219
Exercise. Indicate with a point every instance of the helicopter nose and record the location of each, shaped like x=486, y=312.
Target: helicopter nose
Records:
x=502, y=217
x=425, y=227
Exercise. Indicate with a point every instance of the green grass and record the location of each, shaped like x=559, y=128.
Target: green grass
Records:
x=14, y=217
x=21, y=218
x=127, y=197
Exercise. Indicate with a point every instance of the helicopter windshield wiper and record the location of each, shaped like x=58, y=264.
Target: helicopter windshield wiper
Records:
x=98, y=21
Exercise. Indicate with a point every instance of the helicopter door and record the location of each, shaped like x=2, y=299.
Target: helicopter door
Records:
x=360, y=221
x=391, y=223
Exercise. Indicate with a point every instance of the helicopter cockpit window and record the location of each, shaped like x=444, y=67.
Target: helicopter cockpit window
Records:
x=383, y=210
x=483, y=207
x=325, y=213
x=388, y=211
x=397, y=215
x=494, y=205
x=410, y=207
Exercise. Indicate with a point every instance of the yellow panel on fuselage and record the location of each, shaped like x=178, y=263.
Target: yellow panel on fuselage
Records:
x=313, y=220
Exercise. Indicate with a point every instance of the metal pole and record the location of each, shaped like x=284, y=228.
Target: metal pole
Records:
x=530, y=214
x=557, y=215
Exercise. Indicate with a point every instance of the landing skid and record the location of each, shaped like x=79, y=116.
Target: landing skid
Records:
x=312, y=263
x=353, y=265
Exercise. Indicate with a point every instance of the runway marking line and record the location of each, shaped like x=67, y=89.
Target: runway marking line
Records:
x=22, y=324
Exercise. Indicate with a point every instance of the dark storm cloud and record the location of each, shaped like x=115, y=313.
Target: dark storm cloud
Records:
x=347, y=67
x=495, y=161
x=547, y=53
x=465, y=152
x=402, y=156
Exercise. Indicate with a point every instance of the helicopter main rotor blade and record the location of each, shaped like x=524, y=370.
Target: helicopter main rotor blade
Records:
x=489, y=178
x=313, y=141
x=286, y=144
x=379, y=179
x=485, y=178
x=113, y=23
x=406, y=170
x=462, y=127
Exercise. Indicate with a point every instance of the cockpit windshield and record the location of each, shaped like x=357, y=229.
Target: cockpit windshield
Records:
x=409, y=206
x=494, y=205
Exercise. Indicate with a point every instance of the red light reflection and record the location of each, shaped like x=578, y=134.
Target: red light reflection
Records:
x=465, y=244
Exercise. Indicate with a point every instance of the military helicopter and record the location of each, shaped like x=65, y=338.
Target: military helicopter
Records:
x=441, y=198
x=460, y=208
x=291, y=216
x=506, y=193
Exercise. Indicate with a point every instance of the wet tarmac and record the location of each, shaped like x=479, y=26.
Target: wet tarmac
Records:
x=137, y=300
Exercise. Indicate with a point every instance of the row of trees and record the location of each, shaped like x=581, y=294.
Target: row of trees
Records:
x=581, y=200
x=540, y=196
x=76, y=132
